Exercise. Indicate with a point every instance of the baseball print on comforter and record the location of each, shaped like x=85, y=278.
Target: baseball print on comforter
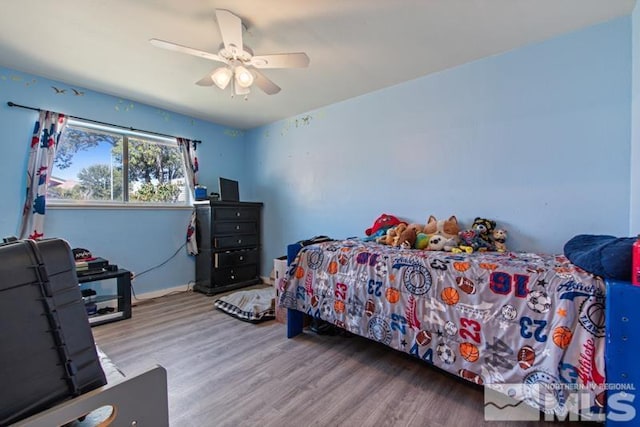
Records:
x=491, y=318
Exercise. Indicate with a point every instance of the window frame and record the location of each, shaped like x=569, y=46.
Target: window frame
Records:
x=124, y=204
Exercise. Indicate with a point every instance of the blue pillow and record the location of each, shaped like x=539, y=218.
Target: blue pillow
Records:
x=606, y=256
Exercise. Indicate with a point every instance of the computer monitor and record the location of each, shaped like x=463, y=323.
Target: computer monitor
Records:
x=228, y=190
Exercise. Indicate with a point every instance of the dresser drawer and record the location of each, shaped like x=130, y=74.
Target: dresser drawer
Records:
x=235, y=228
x=235, y=258
x=235, y=241
x=235, y=274
x=239, y=213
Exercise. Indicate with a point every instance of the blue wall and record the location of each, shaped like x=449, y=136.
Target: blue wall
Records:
x=537, y=139
x=136, y=239
x=635, y=123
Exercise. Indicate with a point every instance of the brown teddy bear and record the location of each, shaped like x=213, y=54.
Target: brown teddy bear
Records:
x=393, y=235
x=407, y=239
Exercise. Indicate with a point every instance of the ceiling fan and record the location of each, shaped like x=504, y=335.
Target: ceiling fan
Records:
x=240, y=64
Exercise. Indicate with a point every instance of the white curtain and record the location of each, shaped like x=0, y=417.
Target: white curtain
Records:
x=188, y=150
x=43, y=144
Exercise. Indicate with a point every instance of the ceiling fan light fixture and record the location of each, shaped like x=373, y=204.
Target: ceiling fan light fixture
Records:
x=244, y=78
x=221, y=77
x=240, y=90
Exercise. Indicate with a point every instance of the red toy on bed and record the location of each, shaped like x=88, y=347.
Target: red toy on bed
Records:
x=382, y=223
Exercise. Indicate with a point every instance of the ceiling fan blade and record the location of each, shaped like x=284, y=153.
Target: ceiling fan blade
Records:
x=281, y=60
x=188, y=50
x=267, y=86
x=230, y=30
x=206, y=80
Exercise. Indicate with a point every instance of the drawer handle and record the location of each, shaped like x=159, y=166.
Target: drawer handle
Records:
x=237, y=227
x=241, y=258
x=237, y=213
x=233, y=277
x=239, y=241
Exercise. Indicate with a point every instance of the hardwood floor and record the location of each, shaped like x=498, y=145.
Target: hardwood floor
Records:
x=225, y=372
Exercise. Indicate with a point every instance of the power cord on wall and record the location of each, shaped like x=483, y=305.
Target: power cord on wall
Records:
x=135, y=276
x=162, y=263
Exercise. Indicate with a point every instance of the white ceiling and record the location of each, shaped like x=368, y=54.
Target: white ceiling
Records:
x=355, y=46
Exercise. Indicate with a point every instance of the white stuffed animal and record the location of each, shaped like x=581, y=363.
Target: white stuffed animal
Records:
x=436, y=242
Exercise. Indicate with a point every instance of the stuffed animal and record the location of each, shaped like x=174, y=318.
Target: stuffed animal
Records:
x=499, y=237
x=407, y=239
x=388, y=237
x=448, y=228
x=451, y=243
x=484, y=227
x=469, y=242
x=381, y=233
x=383, y=222
x=392, y=237
x=436, y=243
x=478, y=238
x=422, y=241
x=444, y=227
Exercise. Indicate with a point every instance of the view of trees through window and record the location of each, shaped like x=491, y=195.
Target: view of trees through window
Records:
x=91, y=165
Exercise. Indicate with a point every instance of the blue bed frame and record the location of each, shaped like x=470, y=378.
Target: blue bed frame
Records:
x=622, y=353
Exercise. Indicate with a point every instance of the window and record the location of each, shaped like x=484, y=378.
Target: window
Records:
x=99, y=164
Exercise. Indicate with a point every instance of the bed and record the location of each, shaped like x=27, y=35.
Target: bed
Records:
x=531, y=326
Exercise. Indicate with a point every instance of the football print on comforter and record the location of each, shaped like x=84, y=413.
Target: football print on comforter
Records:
x=491, y=318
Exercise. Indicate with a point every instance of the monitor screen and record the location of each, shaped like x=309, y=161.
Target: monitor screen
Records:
x=229, y=190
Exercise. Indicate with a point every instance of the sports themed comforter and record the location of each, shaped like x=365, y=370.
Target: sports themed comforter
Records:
x=499, y=319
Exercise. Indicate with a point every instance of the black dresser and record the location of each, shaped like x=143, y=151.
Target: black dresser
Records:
x=229, y=246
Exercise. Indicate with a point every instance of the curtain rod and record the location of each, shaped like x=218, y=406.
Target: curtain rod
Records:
x=13, y=104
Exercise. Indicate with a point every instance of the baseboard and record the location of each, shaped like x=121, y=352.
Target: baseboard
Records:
x=181, y=288
x=160, y=293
